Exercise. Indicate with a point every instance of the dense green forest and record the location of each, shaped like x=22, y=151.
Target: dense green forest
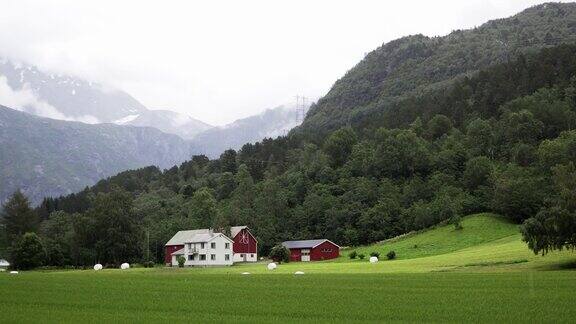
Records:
x=501, y=141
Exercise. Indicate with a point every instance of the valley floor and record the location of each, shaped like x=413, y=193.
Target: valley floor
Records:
x=483, y=273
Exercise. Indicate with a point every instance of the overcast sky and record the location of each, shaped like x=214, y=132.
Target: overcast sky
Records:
x=222, y=60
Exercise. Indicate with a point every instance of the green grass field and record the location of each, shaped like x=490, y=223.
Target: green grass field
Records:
x=483, y=273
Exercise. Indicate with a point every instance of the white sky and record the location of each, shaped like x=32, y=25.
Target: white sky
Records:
x=222, y=60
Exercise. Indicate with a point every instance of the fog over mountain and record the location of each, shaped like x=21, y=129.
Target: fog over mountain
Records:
x=25, y=87
x=166, y=121
x=269, y=124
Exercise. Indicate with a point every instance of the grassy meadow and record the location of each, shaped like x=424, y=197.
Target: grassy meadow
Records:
x=482, y=273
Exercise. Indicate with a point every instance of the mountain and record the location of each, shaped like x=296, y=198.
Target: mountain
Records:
x=415, y=64
x=47, y=157
x=167, y=121
x=62, y=97
x=269, y=124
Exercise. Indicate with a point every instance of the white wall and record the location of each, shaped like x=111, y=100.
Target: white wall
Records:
x=250, y=257
x=220, y=251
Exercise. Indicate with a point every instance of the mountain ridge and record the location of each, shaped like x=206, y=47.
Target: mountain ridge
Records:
x=415, y=64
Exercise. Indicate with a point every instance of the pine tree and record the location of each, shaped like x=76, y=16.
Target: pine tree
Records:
x=17, y=217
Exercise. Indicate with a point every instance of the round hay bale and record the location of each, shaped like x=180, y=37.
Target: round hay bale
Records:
x=245, y=273
x=13, y=272
x=299, y=272
x=272, y=266
x=373, y=259
x=124, y=266
x=97, y=266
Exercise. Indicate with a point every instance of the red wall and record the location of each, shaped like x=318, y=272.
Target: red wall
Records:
x=239, y=247
x=169, y=250
x=295, y=255
x=316, y=253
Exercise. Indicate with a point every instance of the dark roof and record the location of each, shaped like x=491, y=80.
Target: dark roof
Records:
x=305, y=244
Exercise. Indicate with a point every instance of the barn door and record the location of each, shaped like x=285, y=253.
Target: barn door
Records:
x=305, y=255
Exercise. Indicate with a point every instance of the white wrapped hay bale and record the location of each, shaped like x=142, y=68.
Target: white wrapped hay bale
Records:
x=299, y=272
x=245, y=273
x=98, y=266
x=13, y=272
x=272, y=266
x=124, y=266
x=373, y=259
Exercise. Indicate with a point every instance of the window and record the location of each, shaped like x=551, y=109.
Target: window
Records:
x=213, y=245
x=251, y=255
x=201, y=245
x=202, y=257
x=326, y=250
x=212, y=257
x=191, y=257
x=227, y=246
x=227, y=257
x=241, y=255
x=189, y=246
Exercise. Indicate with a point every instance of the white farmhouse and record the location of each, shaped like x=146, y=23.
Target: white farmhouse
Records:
x=202, y=248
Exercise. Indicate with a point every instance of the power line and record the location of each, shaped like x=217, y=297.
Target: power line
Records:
x=300, y=109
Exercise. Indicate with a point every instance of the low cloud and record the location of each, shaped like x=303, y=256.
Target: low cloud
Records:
x=26, y=100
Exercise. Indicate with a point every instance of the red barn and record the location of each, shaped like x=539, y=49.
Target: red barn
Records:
x=245, y=245
x=312, y=250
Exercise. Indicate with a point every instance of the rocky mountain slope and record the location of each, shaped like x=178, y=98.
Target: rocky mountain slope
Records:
x=47, y=157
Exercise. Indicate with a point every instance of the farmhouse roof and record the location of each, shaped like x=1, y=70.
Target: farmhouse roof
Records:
x=234, y=230
x=202, y=237
x=4, y=263
x=186, y=236
x=305, y=244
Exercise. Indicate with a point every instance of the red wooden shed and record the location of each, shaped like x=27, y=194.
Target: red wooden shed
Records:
x=312, y=250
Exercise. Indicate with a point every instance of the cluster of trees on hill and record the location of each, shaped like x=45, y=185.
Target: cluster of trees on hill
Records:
x=502, y=141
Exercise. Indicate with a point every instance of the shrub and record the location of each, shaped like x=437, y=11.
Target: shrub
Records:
x=391, y=255
x=353, y=255
x=280, y=253
x=375, y=254
x=181, y=261
x=361, y=256
x=149, y=264
x=28, y=253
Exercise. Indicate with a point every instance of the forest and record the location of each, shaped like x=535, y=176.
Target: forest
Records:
x=502, y=140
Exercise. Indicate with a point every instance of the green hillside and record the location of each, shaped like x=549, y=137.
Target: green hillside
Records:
x=477, y=229
x=486, y=243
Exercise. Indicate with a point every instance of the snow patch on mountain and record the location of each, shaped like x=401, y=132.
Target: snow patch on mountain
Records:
x=126, y=120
